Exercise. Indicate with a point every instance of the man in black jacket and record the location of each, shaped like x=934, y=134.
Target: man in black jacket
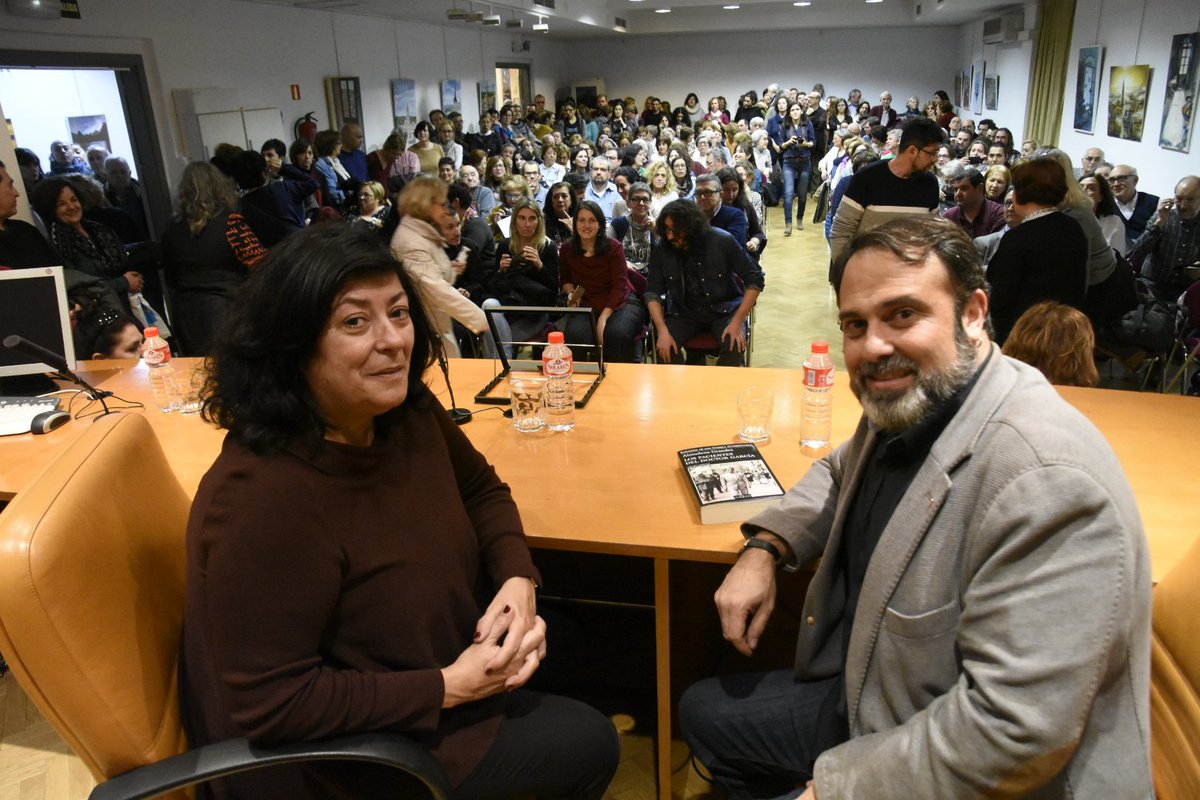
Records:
x=706, y=281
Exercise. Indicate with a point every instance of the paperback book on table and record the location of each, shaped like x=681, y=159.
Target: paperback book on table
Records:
x=731, y=482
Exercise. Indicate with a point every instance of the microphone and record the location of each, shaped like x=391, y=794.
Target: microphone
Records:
x=461, y=416
x=54, y=360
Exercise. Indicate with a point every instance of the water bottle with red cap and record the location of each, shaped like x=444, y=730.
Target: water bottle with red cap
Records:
x=558, y=367
x=163, y=383
x=816, y=413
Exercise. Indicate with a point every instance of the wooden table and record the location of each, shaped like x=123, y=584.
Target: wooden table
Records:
x=613, y=485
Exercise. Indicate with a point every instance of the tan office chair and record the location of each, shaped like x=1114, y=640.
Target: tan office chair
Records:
x=92, y=571
x=1175, y=681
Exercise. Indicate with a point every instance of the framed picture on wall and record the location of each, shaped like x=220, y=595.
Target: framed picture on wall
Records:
x=452, y=96
x=404, y=104
x=89, y=130
x=1128, y=89
x=977, y=71
x=991, y=92
x=344, y=98
x=1087, y=87
x=487, y=94
x=1179, y=105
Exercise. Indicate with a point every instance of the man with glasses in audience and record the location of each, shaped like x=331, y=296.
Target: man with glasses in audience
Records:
x=1169, y=249
x=730, y=219
x=1091, y=157
x=532, y=174
x=899, y=187
x=1136, y=207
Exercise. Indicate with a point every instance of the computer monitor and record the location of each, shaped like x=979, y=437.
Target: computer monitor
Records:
x=33, y=304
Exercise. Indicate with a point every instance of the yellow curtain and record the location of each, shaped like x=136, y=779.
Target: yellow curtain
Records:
x=1051, y=63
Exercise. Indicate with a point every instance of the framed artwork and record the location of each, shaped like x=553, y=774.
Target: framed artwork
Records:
x=1087, y=85
x=1128, y=88
x=487, y=94
x=991, y=92
x=958, y=83
x=964, y=96
x=977, y=70
x=89, y=130
x=1179, y=105
x=344, y=98
x=452, y=96
x=404, y=104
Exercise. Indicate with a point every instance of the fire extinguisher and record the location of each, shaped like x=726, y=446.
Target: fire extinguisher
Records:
x=305, y=128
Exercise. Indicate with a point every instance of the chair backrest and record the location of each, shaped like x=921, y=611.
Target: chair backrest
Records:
x=92, y=571
x=1175, y=681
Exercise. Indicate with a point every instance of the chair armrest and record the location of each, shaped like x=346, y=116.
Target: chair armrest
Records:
x=238, y=755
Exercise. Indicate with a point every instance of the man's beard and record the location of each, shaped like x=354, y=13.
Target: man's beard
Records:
x=901, y=410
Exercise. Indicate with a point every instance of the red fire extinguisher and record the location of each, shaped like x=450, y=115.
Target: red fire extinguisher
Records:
x=305, y=128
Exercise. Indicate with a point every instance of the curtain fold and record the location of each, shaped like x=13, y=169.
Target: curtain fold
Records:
x=1051, y=63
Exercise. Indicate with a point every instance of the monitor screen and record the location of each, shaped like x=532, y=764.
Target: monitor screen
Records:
x=33, y=304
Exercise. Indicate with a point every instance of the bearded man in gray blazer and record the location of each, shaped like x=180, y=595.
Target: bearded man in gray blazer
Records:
x=979, y=622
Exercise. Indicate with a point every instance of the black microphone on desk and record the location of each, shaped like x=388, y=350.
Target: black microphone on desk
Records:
x=461, y=416
x=58, y=363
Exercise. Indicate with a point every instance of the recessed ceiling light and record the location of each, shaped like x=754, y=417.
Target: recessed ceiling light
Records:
x=731, y=8
x=802, y=3
x=662, y=11
x=874, y=1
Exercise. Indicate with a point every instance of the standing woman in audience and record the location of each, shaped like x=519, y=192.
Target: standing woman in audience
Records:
x=332, y=176
x=392, y=165
x=864, y=110
x=300, y=153
x=1102, y=261
x=715, y=114
x=552, y=171
x=85, y=245
x=795, y=161
x=1104, y=206
x=428, y=151
x=581, y=158
x=777, y=117
x=616, y=119
x=596, y=262
x=842, y=115
x=695, y=111
x=208, y=251
x=747, y=107
x=559, y=212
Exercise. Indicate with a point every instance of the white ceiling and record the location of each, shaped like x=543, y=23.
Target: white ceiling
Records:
x=587, y=19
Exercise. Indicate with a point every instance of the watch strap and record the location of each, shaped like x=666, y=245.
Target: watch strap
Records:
x=763, y=544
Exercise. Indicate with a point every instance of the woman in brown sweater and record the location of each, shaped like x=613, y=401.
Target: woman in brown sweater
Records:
x=354, y=564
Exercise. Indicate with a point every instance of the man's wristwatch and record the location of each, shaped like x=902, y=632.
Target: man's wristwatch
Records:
x=763, y=544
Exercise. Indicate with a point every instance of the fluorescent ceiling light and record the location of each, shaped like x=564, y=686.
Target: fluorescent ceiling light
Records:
x=731, y=8
x=662, y=11
x=802, y=3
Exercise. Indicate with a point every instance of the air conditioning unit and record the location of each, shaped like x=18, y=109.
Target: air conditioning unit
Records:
x=41, y=9
x=514, y=23
x=1004, y=28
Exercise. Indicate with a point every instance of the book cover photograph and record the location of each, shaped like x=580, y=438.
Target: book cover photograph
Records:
x=731, y=482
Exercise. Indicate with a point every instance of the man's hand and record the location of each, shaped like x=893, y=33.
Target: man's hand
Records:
x=666, y=345
x=1164, y=211
x=747, y=594
x=752, y=245
x=735, y=332
x=135, y=280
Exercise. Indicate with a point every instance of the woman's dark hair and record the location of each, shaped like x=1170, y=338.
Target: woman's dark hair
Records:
x=601, y=235
x=686, y=217
x=548, y=206
x=98, y=329
x=1108, y=202
x=424, y=125
x=297, y=149
x=629, y=155
x=788, y=123
x=683, y=186
x=727, y=174
x=44, y=197
x=325, y=142
x=680, y=116
x=276, y=146
x=249, y=170
x=691, y=98
x=1040, y=181
x=571, y=167
x=27, y=158
x=257, y=388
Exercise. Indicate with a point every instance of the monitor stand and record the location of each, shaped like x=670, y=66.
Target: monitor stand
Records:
x=27, y=385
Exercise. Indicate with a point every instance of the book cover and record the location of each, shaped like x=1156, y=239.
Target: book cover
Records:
x=731, y=482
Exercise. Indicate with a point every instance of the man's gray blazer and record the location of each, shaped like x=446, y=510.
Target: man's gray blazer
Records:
x=1001, y=643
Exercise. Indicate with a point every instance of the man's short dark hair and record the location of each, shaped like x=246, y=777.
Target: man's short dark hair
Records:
x=256, y=387
x=915, y=239
x=1039, y=180
x=640, y=186
x=921, y=132
x=445, y=161
x=458, y=192
x=687, y=218
x=276, y=146
x=973, y=175
x=577, y=180
x=629, y=173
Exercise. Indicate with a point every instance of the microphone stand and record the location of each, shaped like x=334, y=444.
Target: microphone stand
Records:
x=461, y=416
x=61, y=370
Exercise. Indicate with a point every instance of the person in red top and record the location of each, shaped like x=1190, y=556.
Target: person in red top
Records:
x=596, y=262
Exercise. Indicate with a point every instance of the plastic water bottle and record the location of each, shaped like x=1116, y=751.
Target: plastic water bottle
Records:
x=817, y=411
x=557, y=367
x=163, y=383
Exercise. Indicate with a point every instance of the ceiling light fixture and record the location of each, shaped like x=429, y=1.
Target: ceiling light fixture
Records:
x=731, y=8
x=802, y=4
x=662, y=11
x=540, y=26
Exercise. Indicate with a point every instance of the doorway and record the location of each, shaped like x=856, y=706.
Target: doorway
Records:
x=88, y=98
x=512, y=85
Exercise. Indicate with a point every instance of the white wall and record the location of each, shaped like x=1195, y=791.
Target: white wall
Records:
x=38, y=101
x=1012, y=62
x=917, y=61
x=1132, y=32
x=260, y=50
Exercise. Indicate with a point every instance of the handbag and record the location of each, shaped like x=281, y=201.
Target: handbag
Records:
x=821, y=202
x=1150, y=326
